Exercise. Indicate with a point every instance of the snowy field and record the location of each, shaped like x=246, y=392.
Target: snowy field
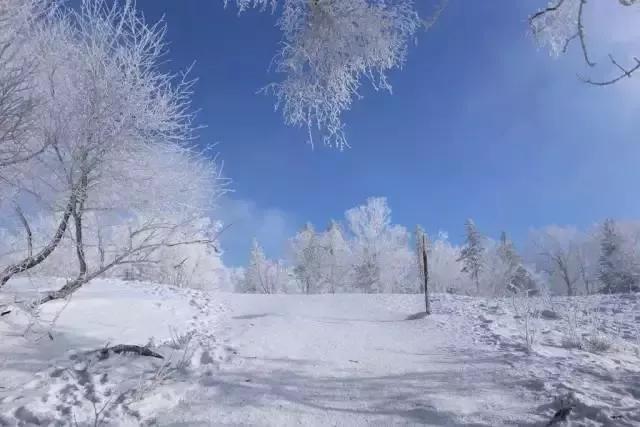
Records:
x=345, y=360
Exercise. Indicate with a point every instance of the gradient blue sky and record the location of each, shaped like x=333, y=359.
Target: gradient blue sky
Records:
x=481, y=124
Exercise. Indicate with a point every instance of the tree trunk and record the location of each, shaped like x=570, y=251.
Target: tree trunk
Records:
x=82, y=263
x=65, y=291
x=567, y=281
x=78, y=211
x=27, y=229
x=32, y=261
x=100, y=247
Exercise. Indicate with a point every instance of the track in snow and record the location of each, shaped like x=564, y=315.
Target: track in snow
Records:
x=353, y=360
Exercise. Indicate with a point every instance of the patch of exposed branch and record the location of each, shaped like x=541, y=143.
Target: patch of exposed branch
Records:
x=138, y=350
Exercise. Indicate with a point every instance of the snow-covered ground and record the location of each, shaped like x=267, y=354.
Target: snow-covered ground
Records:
x=345, y=360
x=52, y=374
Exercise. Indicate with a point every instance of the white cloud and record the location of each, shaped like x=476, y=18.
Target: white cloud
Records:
x=246, y=220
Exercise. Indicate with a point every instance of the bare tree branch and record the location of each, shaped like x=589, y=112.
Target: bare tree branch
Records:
x=624, y=73
x=583, y=43
x=555, y=21
x=545, y=11
x=135, y=254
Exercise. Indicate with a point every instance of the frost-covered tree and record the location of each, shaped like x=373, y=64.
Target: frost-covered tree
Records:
x=308, y=258
x=255, y=269
x=505, y=272
x=525, y=281
x=262, y=275
x=383, y=259
x=444, y=268
x=568, y=258
x=336, y=268
x=368, y=224
x=507, y=252
x=617, y=272
x=557, y=255
x=515, y=276
x=398, y=261
x=371, y=256
x=118, y=128
x=472, y=254
x=588, y=260
x=367, y=273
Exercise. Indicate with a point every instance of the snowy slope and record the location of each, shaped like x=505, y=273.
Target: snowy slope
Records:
x=47, y=376
x=346, y=360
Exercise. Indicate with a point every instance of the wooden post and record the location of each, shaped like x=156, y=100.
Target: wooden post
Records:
x=425, y=267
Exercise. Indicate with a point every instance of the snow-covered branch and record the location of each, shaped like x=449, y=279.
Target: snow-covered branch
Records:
x=18, y=140
x=329, y=47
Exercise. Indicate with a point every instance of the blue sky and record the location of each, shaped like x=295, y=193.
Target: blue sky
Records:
x=481, y=124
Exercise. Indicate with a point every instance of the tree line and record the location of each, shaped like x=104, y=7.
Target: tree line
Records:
x=367, y=253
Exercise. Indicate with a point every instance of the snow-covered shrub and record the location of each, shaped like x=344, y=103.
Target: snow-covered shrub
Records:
x=528, y=312
x=599, y=342
x=585, y=325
